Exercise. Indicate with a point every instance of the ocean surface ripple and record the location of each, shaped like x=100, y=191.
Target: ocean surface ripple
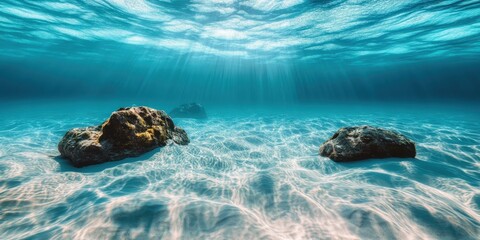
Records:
x=355, y=30
x=250, y=176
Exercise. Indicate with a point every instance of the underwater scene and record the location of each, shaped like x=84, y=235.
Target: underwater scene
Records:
x=239, y=119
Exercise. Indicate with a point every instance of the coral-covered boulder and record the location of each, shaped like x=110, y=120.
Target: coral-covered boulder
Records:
x=191, y=110
x=129, y=132
x=357, y=143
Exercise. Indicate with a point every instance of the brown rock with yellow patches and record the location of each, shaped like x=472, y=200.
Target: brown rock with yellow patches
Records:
x=129, y=132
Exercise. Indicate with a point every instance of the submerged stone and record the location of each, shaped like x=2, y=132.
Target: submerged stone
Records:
x=357, y=143
x=129, y=132
x=191, y=110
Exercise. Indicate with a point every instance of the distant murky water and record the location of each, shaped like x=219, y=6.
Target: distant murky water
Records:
x=240, y=51
x=245, y=175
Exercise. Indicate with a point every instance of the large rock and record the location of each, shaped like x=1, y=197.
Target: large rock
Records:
x=357, y=143
x=129, y=132
x=191, y=110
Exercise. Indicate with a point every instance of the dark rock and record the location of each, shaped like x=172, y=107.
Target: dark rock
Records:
x=357, y=143
x=129, y=132
x=191, y=110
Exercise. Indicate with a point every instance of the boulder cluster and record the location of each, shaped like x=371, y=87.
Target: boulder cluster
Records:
x=132, y=131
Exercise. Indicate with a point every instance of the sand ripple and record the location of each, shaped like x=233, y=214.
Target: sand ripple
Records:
x=244, y=177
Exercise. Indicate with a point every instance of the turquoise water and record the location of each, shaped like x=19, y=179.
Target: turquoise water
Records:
x=246, y=174
x=277, y=79
x=241, y=52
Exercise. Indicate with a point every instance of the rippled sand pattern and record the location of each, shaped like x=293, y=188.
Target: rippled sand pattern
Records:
x=250, y=177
